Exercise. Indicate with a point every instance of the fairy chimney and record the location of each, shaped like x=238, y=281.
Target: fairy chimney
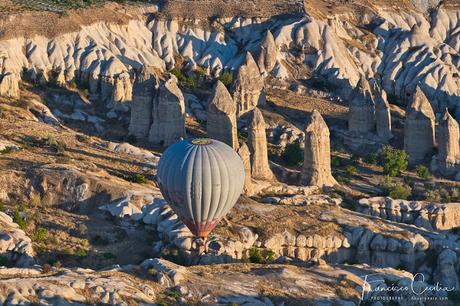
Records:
x=316, y=170
x=168, y=114
x=257, y=141
x=221, y=119
x=419, y=130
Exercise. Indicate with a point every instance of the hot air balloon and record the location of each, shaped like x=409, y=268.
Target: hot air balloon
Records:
x=201, y=179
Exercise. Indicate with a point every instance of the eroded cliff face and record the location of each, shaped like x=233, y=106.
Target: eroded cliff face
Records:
x=402, y=48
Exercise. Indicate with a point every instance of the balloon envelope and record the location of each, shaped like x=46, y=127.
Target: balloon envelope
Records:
x=201, y=179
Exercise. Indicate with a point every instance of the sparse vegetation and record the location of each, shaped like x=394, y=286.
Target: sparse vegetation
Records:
x=226, y=78
x=40, y=235
x=351, y=170
x=258, y=256
x=423, y=172
x=80, y=253
x=396, y=189
x=394, y=161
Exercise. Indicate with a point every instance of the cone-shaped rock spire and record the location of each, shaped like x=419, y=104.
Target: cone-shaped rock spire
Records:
x=257, y=141
x=419, y=128
x=316, y=169
x=221, y=124
x=361, y=116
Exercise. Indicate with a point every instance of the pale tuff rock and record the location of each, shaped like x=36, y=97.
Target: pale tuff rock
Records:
x=248, y=88
x=382, y=113
x=144, y=92
x=221, y=118
x=116, y=86
x=168, y=114
x=245, y=155
x=316, y=170
x=9, y=85
x=15, y=246
x=257, y=140
x=361, y=116
x=74, y=287
x=448, y=157
x=267, y=54
x=419, y=128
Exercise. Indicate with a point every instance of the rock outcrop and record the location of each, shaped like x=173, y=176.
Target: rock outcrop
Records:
x=267, y=54
x=245, y=155
x=168, y=114
x=447, y=161
x=116, y=86
x=144, y=92
x=316, y=170
x=221, y=118
x=419, y=133
x=15, y=246
x=248, y=87
x=9, y=85
x=361, y=116
x=257, y=141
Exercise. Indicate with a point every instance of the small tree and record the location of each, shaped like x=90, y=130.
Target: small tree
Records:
x=394, y=161
x=423, y=172
x=226, y=78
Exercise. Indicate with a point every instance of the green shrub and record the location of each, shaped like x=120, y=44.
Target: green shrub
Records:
x=423, y=172
x=343, y=180
x=201, y=72
x=351, y=170
x=255, y=256
x=2, y=207
x=394, y=161
x=82, y=229
x=80, y=253
x=293, y=154
x=226, y=78
x=40, y=235
x=139, y=178
x=396, y=189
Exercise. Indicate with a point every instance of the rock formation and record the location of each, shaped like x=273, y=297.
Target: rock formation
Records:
x=144, y=92
x=448, y=157
x=248, y=88
x=245, y=155
x=419, y=127
x=267, y=54
x=9, y=85
x=168, y=114
x=221, y=118
x=116, y=87
x=316, y=170
x=257, y=140
x=361, y=116
x=382, y=113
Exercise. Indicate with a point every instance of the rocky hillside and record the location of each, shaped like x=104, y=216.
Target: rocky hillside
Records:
x=343, y=112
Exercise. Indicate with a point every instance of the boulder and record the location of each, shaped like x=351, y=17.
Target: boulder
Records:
x=221, y=117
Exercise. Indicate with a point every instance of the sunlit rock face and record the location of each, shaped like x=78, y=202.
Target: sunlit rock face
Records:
x=316, y=170
x=257, y=141
x=419, y=132
x=447, y=161
x=168, y=114
x=221, y=118
x=248, y=86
